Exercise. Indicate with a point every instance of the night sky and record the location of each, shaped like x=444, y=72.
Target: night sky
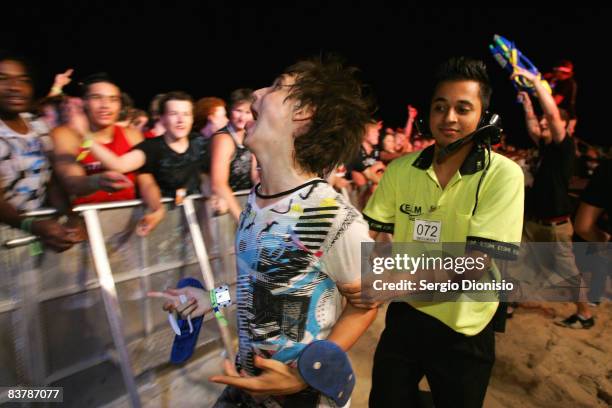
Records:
x=210, y=49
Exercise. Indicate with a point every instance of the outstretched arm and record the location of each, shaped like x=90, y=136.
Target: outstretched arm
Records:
x=151, y=196
x=72, y=175
x=131, y=161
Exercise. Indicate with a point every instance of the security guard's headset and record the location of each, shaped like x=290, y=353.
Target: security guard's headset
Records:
x=487, y=133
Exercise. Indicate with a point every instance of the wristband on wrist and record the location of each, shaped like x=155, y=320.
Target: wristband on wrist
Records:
x=94, y=182
x=26, y=224
x=87, y=142
x=85, y=147
x=216, y=307
x=56, y=90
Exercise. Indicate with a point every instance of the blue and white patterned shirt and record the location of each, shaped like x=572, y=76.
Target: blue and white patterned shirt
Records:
x=290, y=256
x=25, y=169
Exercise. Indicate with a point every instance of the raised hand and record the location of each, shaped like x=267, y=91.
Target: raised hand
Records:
x=412, y=112
x=63, y=79
x=528, y=75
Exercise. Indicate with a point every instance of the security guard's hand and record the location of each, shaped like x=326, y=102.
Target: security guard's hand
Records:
x=353, y=293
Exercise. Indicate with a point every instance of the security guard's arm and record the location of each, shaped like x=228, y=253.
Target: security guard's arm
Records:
x=353, y=322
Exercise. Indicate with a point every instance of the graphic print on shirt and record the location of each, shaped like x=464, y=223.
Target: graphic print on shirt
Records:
x=285, y=298
x=24, y=167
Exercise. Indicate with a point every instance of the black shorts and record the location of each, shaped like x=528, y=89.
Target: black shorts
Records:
x=414, y=345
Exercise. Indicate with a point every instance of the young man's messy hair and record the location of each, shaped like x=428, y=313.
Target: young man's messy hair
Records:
x=466, y=69
x=340, y=113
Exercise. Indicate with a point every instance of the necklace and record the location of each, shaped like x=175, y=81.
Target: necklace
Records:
x=283, y=193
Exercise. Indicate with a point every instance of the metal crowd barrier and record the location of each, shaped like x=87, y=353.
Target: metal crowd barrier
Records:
x=77, y=315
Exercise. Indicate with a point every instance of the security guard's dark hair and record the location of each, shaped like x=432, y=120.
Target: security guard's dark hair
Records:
x=466, y=69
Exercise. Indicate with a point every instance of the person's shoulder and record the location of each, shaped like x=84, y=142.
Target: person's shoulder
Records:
x=153, y=142
x=222, y=131
x=342, y=214
x=403, y=164
x=222, y=135
x=503, y=165
x=222, y=141
x=152, y=149
x=42, y=131
x=568, y=142
x=197, y=141
x=565, y=147
x=323, y=197
x=38, y=125
x=400, y=163
x=64, y=132
x=132, y=135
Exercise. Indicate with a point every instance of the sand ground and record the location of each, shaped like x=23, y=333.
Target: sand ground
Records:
x=538, y=364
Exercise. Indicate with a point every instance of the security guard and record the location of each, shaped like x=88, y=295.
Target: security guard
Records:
x=454, y=191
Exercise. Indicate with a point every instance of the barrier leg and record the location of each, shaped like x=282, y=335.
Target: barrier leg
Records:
x=29, y=348
x=111, y=303
x=27, y=328
x=202, y=257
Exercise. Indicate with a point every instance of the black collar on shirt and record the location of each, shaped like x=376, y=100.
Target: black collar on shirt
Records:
x=473, y=163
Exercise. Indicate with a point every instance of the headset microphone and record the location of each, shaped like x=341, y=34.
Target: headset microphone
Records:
x=489, y=134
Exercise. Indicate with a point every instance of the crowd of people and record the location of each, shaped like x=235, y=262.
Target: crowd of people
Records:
x=322, y=171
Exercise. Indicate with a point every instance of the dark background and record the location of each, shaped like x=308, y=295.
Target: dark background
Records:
x=211, y=48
